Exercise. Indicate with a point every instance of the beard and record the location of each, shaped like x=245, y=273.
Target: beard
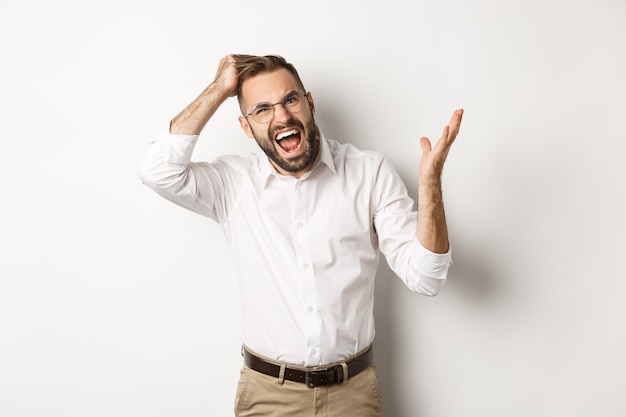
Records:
x=300, y=163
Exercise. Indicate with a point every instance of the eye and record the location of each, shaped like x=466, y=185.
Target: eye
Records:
x=260, y=109
x=291, y=100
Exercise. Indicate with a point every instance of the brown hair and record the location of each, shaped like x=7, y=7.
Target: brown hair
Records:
x=249, y=66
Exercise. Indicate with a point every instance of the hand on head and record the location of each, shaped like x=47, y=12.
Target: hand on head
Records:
x=227, y=76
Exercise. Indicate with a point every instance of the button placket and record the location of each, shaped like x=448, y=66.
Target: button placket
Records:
x=312, y=325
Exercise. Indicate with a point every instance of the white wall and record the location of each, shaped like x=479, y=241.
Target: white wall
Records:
x=116, y=302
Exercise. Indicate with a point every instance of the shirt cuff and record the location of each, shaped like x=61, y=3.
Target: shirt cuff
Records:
x=179, y=147
x=430, y=264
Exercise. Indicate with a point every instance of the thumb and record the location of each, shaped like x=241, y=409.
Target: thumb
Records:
x=426, y=146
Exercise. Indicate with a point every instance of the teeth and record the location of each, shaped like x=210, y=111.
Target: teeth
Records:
x=285, y=134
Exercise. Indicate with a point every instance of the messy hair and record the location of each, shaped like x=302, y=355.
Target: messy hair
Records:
x=249, y=66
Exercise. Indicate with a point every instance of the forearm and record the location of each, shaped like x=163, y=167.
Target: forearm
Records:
x=195, y=116
x=432, y=230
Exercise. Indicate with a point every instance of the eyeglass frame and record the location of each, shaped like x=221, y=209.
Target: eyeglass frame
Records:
x=273, y=105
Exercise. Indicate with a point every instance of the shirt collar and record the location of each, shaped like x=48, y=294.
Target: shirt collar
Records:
x=326, y=157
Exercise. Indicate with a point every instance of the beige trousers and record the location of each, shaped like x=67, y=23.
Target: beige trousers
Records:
x=260, y=395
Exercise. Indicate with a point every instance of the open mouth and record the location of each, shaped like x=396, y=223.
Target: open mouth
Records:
x=289, y=140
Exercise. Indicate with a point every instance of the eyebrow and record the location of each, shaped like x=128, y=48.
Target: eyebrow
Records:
x=292, y=92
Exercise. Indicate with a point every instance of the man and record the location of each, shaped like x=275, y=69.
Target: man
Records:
x=305, y=221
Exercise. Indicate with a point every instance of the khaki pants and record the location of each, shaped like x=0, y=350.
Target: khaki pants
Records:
x=260, y=395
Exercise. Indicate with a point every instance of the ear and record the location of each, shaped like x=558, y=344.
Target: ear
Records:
x=245, y=127
x=309, y=98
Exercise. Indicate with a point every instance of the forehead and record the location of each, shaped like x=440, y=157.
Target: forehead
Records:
x=269, y=87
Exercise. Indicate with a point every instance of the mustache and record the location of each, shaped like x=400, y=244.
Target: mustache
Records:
x=290, y=124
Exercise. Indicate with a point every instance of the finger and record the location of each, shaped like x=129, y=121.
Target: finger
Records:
x=445, y=136
x=224, y=62
x=451, y=130
x=455, y=122
x=445, y=142
x=426, y=145
x=457, y=115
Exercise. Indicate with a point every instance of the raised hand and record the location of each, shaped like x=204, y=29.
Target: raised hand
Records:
x=194, y=117
x=432, y=230
x=433, y=159
x=226, y=76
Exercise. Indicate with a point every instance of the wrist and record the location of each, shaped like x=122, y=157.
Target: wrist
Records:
x=429, y=183
x=221, y=89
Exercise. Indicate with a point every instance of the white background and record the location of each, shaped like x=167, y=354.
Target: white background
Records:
x=114, y=301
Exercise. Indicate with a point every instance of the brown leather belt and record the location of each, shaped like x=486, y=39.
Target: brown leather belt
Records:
x=314, y=377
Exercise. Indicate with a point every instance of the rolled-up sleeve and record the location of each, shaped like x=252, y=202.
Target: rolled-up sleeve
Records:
x=429, y=270
x=166, y=156
x=166, y=168
x=420, y=269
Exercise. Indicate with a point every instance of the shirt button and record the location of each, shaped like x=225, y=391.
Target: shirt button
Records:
x=306, y=266
x=310, y=309
x=313, y=352
x=300, y=224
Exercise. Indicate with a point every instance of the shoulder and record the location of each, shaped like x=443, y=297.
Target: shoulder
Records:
x=239, y=169
x=239, y=163
x=349, y=152
x=350, y=158
x=363, y=164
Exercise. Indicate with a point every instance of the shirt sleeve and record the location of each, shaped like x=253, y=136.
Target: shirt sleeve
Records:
x=429, y=269
x=395, y=221
x=167, y=169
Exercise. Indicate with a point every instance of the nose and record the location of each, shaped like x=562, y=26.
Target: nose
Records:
x=281, y=113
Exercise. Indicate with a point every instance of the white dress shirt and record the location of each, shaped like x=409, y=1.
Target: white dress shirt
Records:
x=305, y=250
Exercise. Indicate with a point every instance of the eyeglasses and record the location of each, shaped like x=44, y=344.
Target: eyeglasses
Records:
x=293, y=102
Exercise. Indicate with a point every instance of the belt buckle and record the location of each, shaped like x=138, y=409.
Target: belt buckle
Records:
x=319, y=373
